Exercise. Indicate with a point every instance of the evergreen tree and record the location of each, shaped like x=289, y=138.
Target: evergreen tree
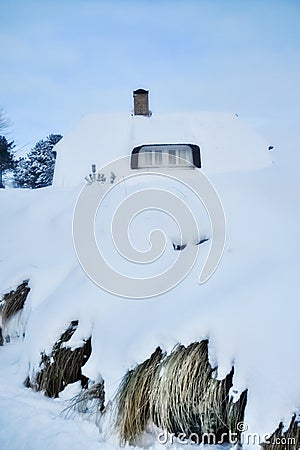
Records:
x=36, y=169
x=6, y=157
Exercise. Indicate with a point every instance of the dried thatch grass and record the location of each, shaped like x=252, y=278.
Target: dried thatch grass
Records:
x=62, y=366
x=133, y=398
x=178, y=394
x=10, y=304
x=175, y=397
x=14, y=301
x=89, y=402
x=288, y=440
x=186, y=398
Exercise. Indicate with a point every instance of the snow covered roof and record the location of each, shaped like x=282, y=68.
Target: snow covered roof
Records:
x=247, y=310
x=227, y=144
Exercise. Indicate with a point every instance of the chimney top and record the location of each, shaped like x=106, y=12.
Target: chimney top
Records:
x=140, y=91
x=141, y=103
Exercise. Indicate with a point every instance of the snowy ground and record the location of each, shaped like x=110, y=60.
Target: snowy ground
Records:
x=30, y=421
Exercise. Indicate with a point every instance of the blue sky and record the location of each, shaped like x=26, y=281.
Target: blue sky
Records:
x=63, y=59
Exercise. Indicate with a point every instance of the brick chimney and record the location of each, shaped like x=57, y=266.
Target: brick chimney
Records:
x=141, y=103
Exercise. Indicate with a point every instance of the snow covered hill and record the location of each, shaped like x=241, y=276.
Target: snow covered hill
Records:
x=248, y=310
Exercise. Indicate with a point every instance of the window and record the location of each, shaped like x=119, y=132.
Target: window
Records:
x=148, y=157
x=182, y=153
x=166, y=155
x=172, y=156
x=158, y=157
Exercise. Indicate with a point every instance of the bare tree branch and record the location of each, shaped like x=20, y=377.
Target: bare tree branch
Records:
x=4, y=122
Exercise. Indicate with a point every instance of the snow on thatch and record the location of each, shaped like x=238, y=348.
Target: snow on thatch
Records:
x=179, y=394
x=11, y=304
x=288, y=439
x=89, y=401
x=62, y=366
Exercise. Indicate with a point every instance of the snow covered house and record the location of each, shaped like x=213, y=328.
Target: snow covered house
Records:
x=196, y=358
x=216, y=142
